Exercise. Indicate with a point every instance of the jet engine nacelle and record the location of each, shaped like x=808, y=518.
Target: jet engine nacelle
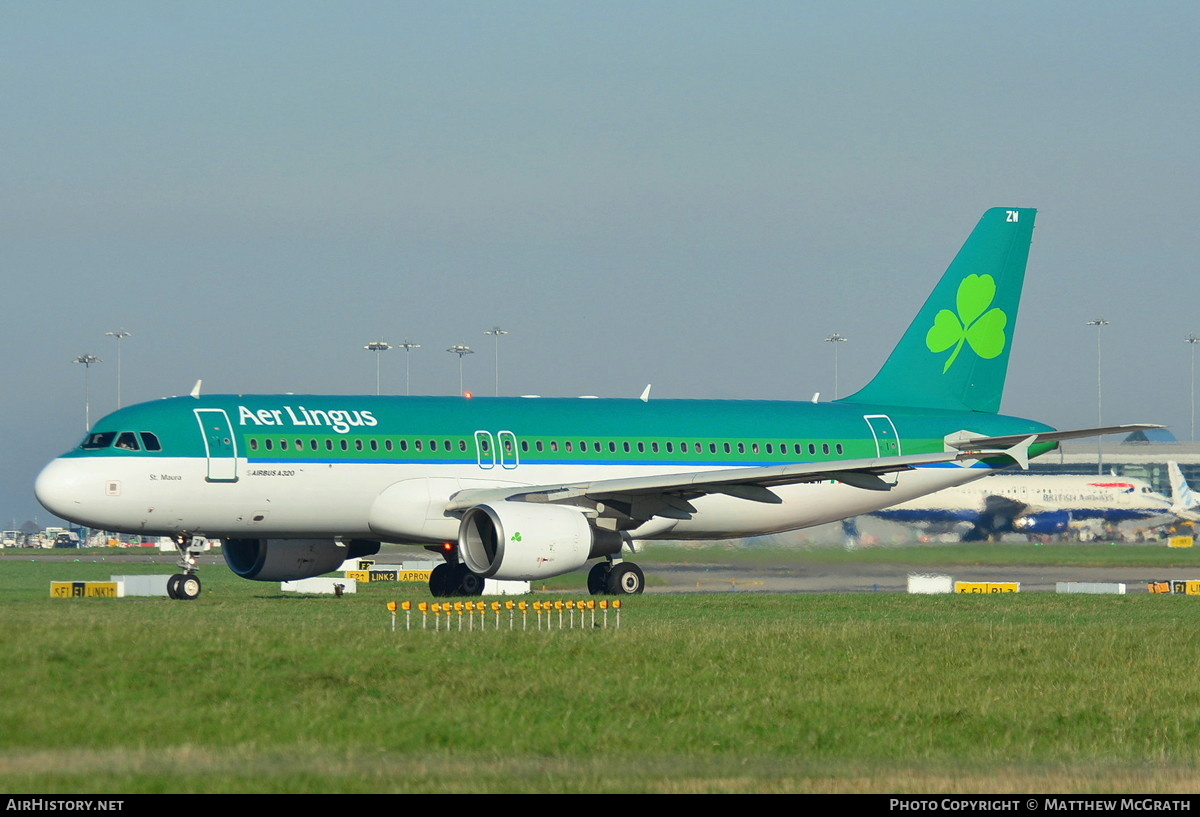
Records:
x=283, y=560
x=524, y=540
x=1043, y=523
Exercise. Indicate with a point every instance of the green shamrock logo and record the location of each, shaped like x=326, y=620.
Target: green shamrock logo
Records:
x=516, y=537
x=975, y=324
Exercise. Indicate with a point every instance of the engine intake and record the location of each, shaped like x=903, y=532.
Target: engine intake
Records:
x=521, y=540
x=283, y=560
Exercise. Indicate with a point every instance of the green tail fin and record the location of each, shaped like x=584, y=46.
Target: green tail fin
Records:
x=955, y=353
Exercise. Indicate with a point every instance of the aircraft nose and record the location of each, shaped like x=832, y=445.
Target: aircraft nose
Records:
x=58, y=489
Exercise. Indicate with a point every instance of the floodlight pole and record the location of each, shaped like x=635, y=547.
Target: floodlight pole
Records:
x=835, y=339
x=407, y=347
x=1192, y=340
x=460, y=350
x=87, y=361
x=496, y=332
x=377, y=346
x=1099, y=323
x=120, y=335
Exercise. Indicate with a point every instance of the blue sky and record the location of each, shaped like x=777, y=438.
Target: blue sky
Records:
x=689, y=194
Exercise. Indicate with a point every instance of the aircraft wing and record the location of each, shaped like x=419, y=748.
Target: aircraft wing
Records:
x=668, y=494
x=1046, y=436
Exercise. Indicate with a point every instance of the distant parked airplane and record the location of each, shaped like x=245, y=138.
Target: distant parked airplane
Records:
x=1033, y=504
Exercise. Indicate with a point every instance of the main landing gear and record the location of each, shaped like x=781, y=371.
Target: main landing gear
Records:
x=616, y=579
x=455, y=580
x=186, y=585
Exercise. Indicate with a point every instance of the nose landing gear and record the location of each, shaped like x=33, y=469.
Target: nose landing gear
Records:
x=184, y=586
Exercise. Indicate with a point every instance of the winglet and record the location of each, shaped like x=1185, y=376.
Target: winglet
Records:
x=196, y=389
x=646, y=394
x=1020, y=451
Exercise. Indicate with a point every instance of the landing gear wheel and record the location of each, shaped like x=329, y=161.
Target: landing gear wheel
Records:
x=626, y=579
x=442, y=581
x=469, y=584
x=597, y=581
x=184, y=586
x=188, y=587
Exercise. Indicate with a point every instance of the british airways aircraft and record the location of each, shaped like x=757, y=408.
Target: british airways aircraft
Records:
x=528, y=488
x=1035, y=504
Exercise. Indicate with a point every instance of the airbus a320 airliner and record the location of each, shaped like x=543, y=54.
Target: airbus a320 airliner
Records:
x=528, y=488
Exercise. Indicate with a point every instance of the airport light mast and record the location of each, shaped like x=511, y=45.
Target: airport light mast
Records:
x=1192, y=340
x=87, y=361
x=835, y=339
x=120, y=335
x=407, y=347
x=377, y=346
x=460, y=350
x=496, y=332
x=1099, y=323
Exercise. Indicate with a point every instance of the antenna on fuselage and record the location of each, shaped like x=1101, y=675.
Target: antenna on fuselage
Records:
x=646, y=394
x=816, y=397
x=196, y=389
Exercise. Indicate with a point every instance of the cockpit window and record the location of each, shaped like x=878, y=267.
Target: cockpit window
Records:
x=128, y=441
x=150, y=441
x=100, y=439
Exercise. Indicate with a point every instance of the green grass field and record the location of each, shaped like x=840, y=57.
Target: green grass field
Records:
x=252, y=690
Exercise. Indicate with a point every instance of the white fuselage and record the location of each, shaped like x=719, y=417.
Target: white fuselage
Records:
x=163, y=496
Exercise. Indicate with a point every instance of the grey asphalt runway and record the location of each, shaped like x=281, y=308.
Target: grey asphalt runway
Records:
x=884, y=578
x=718, y=577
